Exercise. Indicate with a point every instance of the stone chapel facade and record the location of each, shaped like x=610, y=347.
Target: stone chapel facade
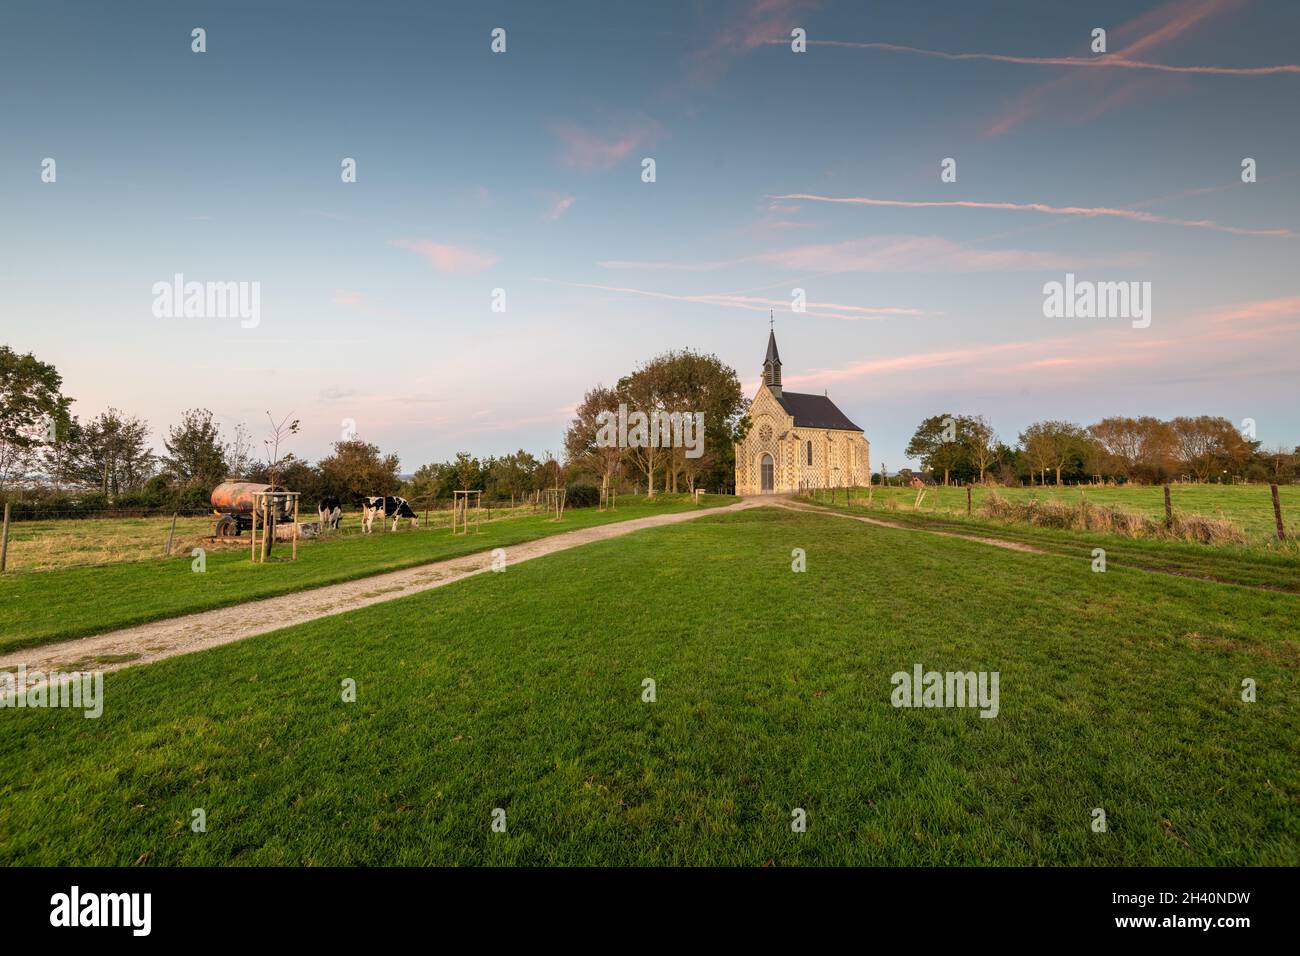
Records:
x=798, y=441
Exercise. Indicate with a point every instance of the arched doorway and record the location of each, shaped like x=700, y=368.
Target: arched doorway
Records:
x=768, y=471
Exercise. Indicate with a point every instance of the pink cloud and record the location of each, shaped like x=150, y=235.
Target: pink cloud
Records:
x=1138, y=36
x=590, y=152
x=447, y=258
x=557, y=205
x=747, y=25
x=890, y=254
x=928, y=254
x=1232, y=342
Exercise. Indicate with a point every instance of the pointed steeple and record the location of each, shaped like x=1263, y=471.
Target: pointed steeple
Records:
x=772, y=365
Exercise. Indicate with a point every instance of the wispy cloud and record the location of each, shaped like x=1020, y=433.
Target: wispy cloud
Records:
x=1090, y=212
x=1115, y=61
x=1137, y=38
x=1234, y=341
x=745, y=25
x=447, y=258
x=557, y=205
x=727, y=300
x=589, y=152
x=891, y=253
x=1132, y=42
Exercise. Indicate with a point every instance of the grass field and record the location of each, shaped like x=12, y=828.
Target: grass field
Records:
x=522, y=691
x=46, y=545
x=1248, y=506
x=1258, y=566
x=43, y=607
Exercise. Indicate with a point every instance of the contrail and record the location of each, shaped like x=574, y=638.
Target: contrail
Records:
x=1085, y=211
x=1102, y=60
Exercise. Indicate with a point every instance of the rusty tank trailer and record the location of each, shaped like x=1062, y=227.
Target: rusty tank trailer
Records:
x=233, y=504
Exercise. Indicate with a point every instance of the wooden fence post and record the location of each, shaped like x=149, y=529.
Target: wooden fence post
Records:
x=1169, y=509
x=1277, y=518
x=968, y=497
x=171, y=536
x=4, y=540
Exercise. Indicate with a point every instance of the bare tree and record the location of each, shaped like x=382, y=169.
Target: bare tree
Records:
x=279, y=434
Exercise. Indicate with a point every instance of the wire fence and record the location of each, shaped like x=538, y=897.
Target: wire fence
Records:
x=37, y=538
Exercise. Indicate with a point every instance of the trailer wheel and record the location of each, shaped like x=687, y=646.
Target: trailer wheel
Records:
x=227, y=527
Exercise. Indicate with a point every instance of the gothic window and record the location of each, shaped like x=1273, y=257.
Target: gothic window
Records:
x=765, y=433
x=808, y=452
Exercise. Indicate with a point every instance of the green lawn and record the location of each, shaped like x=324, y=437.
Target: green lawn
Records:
x=1277, y=568
x=522, y=691
x=44, y=607
x=1248, y=506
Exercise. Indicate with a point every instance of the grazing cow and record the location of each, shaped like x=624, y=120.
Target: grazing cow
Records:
x=331, y=513
x=387, y=506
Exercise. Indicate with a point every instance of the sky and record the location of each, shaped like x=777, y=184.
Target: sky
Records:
x=775, y=171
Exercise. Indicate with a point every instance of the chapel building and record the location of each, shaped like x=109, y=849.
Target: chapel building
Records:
x=797, y=441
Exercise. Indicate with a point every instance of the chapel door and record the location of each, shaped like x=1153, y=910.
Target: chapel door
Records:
x=769, y=474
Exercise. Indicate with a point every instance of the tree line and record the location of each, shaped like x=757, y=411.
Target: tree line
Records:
x=108, y=460
x=1143, y=450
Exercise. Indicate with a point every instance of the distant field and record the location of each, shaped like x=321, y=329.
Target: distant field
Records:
x=523, y=691
x=41, y=607
x=1248, y=506
x=46, y=545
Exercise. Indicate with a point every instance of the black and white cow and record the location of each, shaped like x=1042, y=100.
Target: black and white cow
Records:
x=387, y=506
x=331, y=513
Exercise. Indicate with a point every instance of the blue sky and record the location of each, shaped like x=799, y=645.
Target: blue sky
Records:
x=522, y=171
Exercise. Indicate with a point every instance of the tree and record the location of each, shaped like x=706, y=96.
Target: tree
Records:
x=936, y=445
x=238, y=452
x=468, y=472
x=278, y=435
x=1206, y=446
x=514, y=474
x=195, y=455
x=686, y=382
x=1054, y=445
x=425, y=483
x=1137, y=449
x=581, y=448
x=980, y=441
x=356, y=470
x=1037, y=446
x=112, y=452
x=34, y=413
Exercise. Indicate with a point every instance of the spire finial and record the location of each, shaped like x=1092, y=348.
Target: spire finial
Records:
x=771, y=321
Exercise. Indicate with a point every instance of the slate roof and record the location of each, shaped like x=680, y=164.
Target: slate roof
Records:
x=814, y=411
x=772, y=354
